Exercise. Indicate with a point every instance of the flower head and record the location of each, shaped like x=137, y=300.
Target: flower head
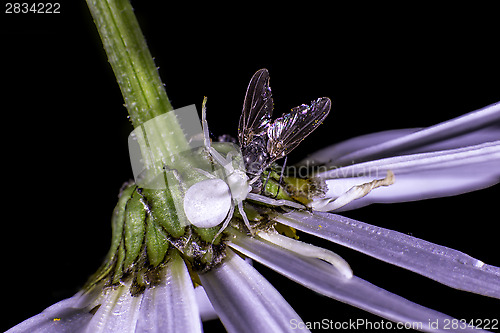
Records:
x=147, y=283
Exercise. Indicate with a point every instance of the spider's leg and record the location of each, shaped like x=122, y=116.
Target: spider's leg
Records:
x=226, y=223
x=206, y=136
x=205, y=173
x=229, y=157
x=274, y=202
x=245, y=218
x=221, y=160
x=204, y=124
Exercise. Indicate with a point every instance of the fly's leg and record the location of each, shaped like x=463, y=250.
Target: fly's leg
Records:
x=281, y=178
x=263, y=190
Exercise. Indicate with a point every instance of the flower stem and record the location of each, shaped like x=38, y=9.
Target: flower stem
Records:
x=135, y=71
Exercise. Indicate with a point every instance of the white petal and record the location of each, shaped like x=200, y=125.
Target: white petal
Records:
x=63, y=316
x=421, y=176
x=320, y=277
x=118, y=312
x=308, y=250
x=245, y=300
x=329, y=155
x=442, y=264
x=487, y=134
x=207, y=311
x=170, y=306
x=484, y=152
x=467, y=123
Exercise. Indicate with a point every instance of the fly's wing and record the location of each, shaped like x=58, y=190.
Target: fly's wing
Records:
x=257, y=108
x=286, y=132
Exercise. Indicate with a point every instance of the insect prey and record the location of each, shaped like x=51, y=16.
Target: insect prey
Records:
x=262, y=140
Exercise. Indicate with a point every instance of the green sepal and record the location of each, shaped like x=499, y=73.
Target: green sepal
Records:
x=156, y=242
x=163, y=210
x=208, y=234
x=118, y=272
x=118, y=218
x=134, y=229
x=117, y=222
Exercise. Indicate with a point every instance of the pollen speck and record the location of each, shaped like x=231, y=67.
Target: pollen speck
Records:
x=57, y=319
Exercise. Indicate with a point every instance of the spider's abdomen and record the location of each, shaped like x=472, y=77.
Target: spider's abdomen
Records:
x=207, y=203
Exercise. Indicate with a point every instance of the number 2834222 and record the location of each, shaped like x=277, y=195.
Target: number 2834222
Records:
x=32, y=8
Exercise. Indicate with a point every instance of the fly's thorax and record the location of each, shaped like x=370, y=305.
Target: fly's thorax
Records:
x=255, y=156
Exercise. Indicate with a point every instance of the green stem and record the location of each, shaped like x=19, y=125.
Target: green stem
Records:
x=135, y=71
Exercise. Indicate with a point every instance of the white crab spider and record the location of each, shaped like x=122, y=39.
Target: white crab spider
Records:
x=211, y=202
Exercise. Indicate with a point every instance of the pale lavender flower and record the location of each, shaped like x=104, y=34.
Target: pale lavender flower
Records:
x=450, y=158
x=454, y=157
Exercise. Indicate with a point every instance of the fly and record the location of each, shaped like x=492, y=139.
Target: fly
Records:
x=262, y=140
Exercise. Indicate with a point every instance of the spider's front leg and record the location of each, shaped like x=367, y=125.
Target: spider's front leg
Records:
x=237, y=180
x=245, y=218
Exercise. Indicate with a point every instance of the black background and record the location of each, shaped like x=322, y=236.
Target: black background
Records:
x=65, y=128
